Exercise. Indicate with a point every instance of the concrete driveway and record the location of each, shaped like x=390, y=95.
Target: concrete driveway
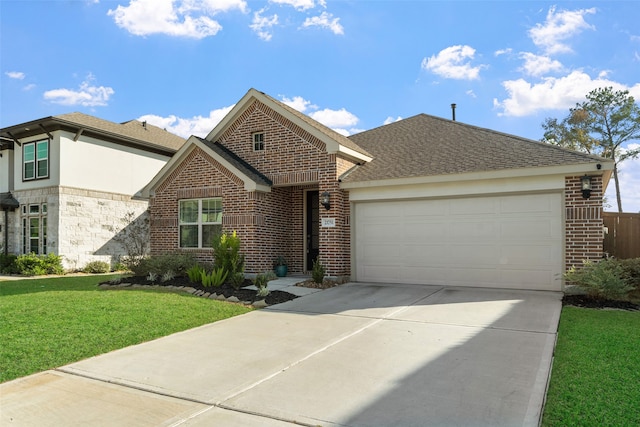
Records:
x=355, y=355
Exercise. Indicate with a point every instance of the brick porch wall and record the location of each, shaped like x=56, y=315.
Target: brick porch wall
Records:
x=269, y=224
x=584, y=234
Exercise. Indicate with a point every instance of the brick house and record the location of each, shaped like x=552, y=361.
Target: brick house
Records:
x=422, y=200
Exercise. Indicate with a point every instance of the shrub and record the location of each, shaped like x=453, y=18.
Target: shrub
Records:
x=195, y=273
x=177, y=263
x=318, y=271
x=261, y=282
x=38, y=265
x=226, y=250
x=237, y=279
x=133, y=235
x=97, y=267
x=8, y=264
x=631, y=268
x=216, y=278
x=603, y=279
x=167, y=276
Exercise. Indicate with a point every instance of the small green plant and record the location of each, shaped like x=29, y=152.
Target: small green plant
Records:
x=195, y=273
x=226, y=250
x=237, y=279
x=604, y=279
x=318, y=271
x=261, y=282
x=167, y=276
x=96, y=267
x=152, y=277
x=215, y=278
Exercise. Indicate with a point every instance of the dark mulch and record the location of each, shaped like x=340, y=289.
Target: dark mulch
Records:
x=591, y=302
x=243, y=294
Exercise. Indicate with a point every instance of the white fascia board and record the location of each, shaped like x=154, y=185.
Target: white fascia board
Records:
x=565, y=170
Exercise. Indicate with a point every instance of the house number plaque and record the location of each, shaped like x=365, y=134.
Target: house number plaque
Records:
x=328, y=222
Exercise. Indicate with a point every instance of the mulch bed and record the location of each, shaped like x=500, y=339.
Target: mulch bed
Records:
x=243, y=294
x=590, y=302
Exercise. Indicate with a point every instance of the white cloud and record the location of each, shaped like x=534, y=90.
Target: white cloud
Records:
x=629, y=176
x=503, y=52
x=551, y=93
x=261, y=25
x=536, y=65
x=324, y=20
x=186, y=18
x=335, y=119
x=18, y=75
x=453, y=63
x=390, y=120
x=298, y=4
x=471, y=93
x=197, y=125
x=559, y=27
x=298, y=103
x=29, y=87
x=87, y=94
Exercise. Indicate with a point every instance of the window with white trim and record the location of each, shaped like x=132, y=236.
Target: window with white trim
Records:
x=34, y=228
x=35, y=160
x=200, y=220
x=258, y=141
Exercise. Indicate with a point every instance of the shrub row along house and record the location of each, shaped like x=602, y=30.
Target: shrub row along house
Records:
x=67, y=181
x=422, y=200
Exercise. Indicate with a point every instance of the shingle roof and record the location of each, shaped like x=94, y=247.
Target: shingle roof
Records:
x=237, y=162
x=132, y=133
x=132, y=129
x=425, y=145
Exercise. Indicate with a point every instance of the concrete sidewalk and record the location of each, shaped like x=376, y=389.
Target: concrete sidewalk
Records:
x=353, y=355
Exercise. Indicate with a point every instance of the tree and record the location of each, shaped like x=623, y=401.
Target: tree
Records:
x=600, y=125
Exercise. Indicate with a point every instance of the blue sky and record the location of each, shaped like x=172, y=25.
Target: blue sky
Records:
x=352, y=65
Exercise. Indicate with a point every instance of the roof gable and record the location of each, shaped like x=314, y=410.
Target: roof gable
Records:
x=423, y=145
x=253, y=180
x=334, y=142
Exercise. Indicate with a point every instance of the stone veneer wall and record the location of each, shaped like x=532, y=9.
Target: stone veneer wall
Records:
x=80, y=223
x=584, y=232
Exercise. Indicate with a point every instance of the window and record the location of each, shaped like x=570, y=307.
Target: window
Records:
x=35, y=160
x=258, y=141
x=34, y=229
x=200, y=220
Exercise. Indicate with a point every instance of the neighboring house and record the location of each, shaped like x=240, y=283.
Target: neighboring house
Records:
x=423, y=200
x=67, y=181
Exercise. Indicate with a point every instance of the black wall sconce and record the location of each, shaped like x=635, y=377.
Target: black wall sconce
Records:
x=586, y=186
x=325, y=200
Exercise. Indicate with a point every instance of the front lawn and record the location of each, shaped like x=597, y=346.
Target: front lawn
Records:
x=47, y=323
x=596, y=372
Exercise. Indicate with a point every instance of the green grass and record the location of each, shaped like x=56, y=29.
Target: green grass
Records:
x=47, y=323
x=596, y=372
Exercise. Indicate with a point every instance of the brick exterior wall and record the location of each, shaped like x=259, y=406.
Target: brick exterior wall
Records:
x=268, y=224
x=584, y=233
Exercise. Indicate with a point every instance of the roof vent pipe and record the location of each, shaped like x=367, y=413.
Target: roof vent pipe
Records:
x=453, y=112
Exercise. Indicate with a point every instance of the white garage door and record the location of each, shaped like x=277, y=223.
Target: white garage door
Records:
x=501, y=241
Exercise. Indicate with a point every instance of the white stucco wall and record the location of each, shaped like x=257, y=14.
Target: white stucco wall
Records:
x=5, y=170
x=104, y=166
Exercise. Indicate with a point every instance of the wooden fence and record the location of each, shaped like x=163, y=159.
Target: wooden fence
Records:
x=623, y=239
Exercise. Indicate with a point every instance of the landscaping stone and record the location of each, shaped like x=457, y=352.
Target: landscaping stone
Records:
x=260, y=304
x=233, y=299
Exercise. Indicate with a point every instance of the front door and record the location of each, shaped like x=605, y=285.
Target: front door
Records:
x=312, y=228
